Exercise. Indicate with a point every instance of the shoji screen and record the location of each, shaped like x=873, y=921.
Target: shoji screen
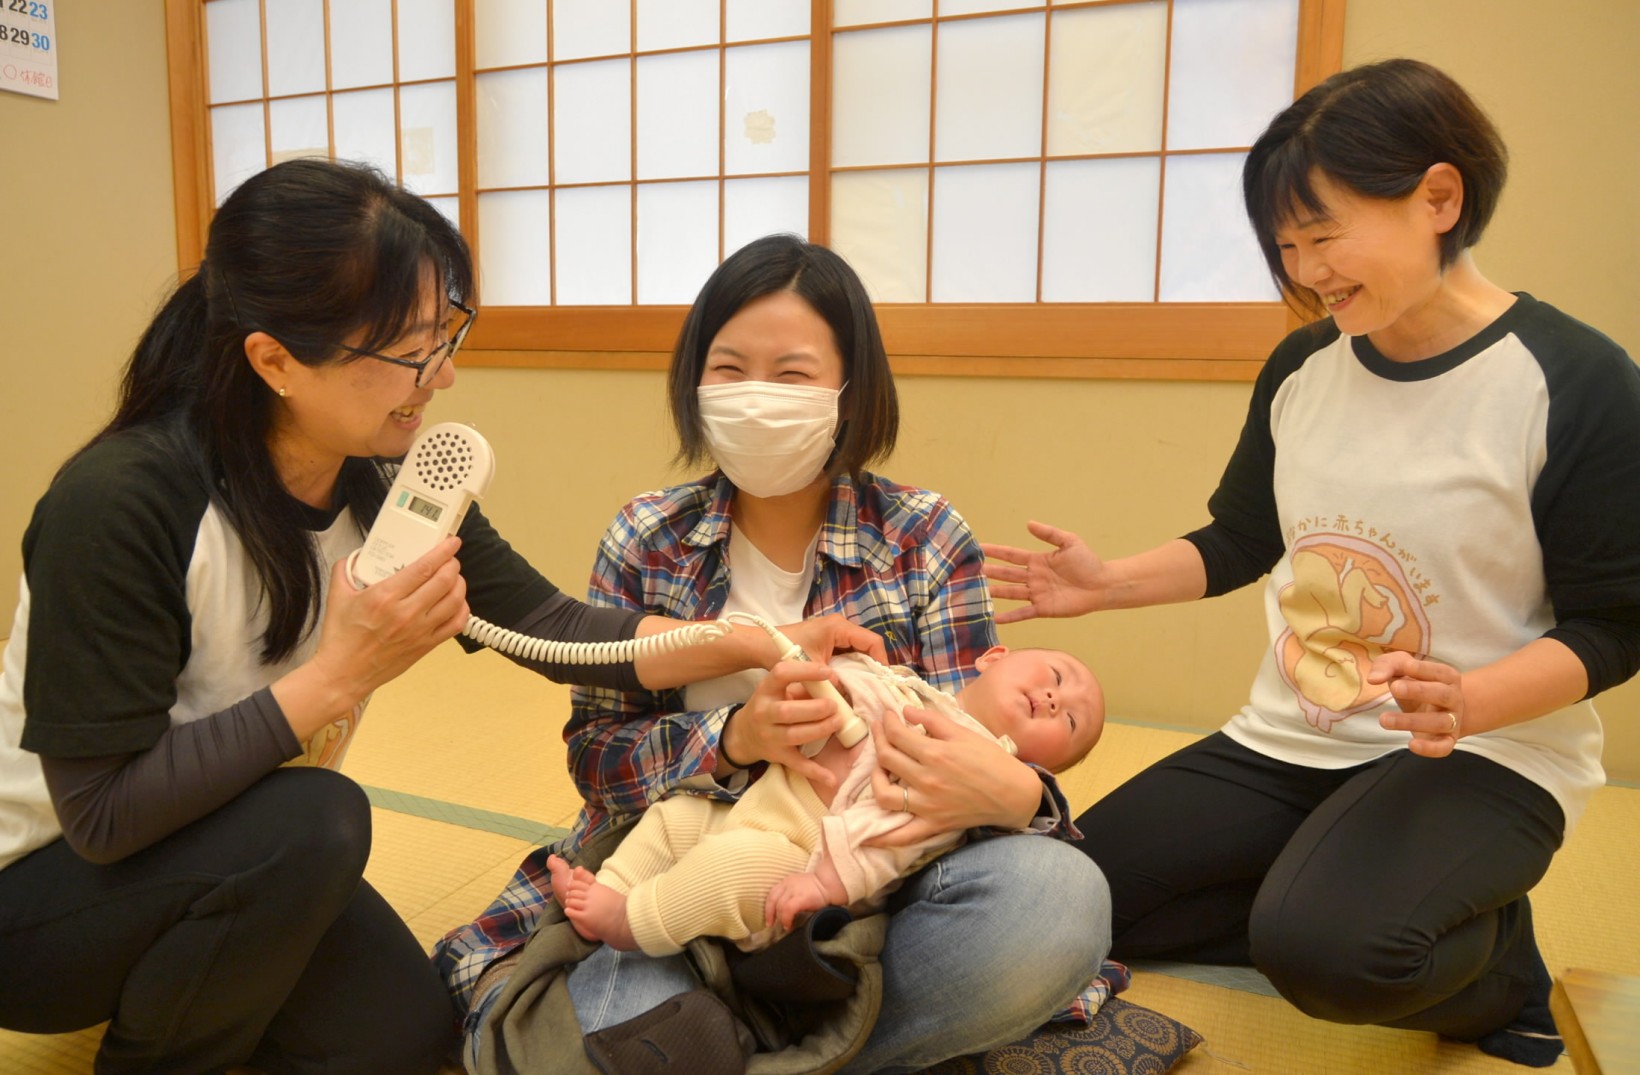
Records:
x=1074, y=152
x=1047, y=188
x=371, y=80
x=623, y=150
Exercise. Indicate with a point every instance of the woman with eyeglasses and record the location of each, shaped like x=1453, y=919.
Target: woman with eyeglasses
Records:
x=178, y=855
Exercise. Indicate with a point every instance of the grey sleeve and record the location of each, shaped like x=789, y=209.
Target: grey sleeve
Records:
x=563, y=617
x=115, y=805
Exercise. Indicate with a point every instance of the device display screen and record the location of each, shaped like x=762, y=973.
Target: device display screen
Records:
x=425, y=508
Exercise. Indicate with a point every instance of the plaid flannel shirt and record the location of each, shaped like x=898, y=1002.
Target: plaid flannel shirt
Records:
x=896, y=560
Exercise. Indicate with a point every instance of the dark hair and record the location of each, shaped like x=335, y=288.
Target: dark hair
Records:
x=1374, y=130
x=869, y=407
x=312, y=252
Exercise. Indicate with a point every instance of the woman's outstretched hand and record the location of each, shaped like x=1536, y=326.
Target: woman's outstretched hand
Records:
x=1430, y=695
x=951, y=778
x=1063, y=581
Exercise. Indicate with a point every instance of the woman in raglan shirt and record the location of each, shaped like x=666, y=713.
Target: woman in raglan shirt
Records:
x=187, y=629
x=1443, y=481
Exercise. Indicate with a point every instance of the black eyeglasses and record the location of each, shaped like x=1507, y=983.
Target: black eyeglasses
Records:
x=461, y=318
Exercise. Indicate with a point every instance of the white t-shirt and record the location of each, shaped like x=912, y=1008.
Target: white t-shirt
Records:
x=759, y=586
x=1458, y=507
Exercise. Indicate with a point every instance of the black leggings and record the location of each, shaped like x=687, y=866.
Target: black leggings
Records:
x=247, y=937
x=1391, y=893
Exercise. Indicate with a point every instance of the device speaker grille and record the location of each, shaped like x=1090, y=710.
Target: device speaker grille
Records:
x=444, y=460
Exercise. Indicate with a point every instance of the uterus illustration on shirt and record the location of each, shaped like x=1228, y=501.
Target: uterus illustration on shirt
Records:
x=1349, y=602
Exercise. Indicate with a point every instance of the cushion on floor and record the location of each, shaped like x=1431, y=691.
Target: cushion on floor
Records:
x=1123, y=1038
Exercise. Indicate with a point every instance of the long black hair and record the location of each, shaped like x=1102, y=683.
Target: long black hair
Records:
x=311, y=252
x=820, y=277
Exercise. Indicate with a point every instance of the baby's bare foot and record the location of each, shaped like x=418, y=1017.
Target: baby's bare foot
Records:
x=563, y=879
x=597, y=912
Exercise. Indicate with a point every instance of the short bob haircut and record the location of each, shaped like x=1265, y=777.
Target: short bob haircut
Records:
x=869, y=408
x=1374, y=130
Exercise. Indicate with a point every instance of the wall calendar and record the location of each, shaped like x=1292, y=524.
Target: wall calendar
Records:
x=28, y=47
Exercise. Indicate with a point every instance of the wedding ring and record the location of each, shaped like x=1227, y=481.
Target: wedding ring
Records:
x=905, y=799
x=1454, y=729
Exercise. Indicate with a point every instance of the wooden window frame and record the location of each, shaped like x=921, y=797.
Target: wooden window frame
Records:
x=1156, y=341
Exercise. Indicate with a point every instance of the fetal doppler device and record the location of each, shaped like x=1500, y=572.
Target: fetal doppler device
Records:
x=447, y=468
x=854, y=729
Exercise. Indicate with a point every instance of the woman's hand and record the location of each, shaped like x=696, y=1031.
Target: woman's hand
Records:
x=1430, y=695
x=371, y=636
x=952, y=778
x=779, y=718
x=1067, y=581
x=822, y=636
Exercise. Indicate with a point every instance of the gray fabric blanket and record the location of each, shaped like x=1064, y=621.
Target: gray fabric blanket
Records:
x=532, y=1029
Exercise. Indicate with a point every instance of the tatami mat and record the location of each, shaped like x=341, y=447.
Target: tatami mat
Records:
x=464, y=762
x=48, y=1054
x=1244, y=1032
x=418, y=865
x=473, y=729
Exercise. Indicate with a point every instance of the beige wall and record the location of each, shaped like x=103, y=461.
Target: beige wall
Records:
x=88, y=243
x=1124, y=463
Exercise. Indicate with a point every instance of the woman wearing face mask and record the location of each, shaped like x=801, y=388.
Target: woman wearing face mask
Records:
x=780, y=380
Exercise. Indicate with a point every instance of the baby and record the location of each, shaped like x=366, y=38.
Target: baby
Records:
x=696, y=867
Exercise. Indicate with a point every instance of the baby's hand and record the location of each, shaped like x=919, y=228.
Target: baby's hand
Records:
x=792, y=895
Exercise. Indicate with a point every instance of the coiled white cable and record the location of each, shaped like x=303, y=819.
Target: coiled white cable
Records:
x=556, y=651
x=789, y=650
x=559, y=651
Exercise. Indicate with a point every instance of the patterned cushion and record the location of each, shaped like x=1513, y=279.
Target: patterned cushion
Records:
x=1123, y=1038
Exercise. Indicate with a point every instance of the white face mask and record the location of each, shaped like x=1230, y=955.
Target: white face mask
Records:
x=770, y=439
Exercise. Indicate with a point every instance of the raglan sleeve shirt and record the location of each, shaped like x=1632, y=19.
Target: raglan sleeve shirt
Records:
x=107, y=630
x=1585, y=499
x=109, y=560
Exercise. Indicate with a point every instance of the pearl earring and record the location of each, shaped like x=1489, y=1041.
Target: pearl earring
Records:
x=281, y=393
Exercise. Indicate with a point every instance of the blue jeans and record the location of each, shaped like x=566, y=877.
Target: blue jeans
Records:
x=985, y=944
